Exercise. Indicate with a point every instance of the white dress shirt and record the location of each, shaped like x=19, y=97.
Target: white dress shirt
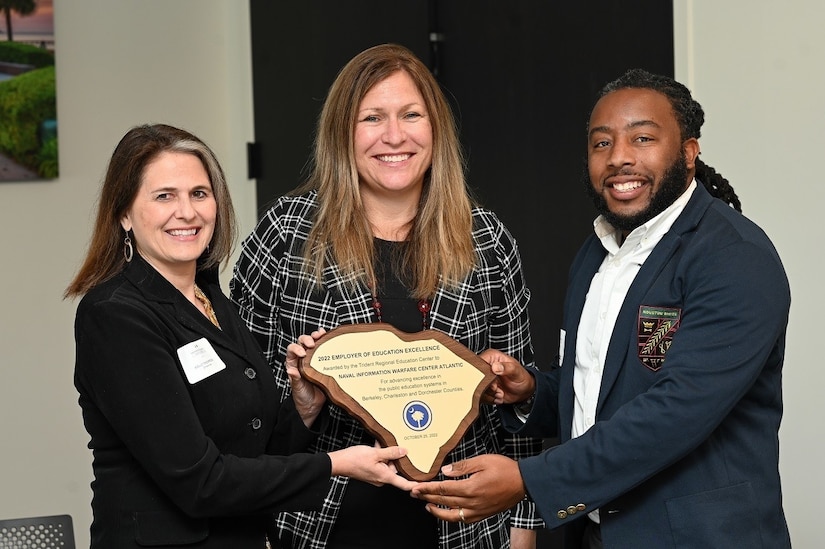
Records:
x=604, y=299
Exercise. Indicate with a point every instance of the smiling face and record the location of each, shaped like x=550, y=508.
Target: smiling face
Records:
x=637, y=162
x=173, y=214
x=393, y=138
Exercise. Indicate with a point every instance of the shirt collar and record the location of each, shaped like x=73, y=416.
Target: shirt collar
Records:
x=656, y=227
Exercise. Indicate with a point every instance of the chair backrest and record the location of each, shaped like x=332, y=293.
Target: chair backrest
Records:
x=54, y=532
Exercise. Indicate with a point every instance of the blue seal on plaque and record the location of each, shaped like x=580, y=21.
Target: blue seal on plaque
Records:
x=417, y=415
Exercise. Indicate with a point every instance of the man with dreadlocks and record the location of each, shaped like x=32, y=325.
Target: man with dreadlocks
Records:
x=667, y=394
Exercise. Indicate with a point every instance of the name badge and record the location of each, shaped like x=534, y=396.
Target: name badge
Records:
x=562, y=337
x=199, y=360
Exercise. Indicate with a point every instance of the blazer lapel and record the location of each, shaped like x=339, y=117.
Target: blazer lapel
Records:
x=587, y=263
x=646, y=277
x=227, y=336
x=448, y=312
x=352, y=299
x=157, y=289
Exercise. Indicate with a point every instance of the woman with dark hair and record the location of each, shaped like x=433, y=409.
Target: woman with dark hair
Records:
x=385, y=230
x=188, y=429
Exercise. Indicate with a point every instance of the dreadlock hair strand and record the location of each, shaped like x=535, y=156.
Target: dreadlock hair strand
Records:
x=690, y=116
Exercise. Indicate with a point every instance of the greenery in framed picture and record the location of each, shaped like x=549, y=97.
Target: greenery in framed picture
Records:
x=28, y=100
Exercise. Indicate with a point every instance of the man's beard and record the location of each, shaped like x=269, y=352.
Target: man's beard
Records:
x=674, y=183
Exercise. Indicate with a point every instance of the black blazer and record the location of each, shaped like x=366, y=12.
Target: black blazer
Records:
x=175, y=463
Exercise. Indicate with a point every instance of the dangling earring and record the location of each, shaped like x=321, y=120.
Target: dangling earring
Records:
x=128, y=251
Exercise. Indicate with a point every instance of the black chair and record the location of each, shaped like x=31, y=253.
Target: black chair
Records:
x=53, y=532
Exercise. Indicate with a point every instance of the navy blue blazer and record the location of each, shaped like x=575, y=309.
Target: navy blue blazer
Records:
x=178, y=463
x=685, y=451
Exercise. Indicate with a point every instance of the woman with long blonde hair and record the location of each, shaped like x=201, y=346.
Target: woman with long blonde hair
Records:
x=384, y=230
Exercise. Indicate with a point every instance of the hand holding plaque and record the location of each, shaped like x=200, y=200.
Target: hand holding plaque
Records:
x=421, y=391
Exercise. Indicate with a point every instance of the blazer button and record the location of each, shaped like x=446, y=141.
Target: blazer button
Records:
x=256, y=424
x=250, y=373
x=562, y=514
x=581, y=506
x=572, y=510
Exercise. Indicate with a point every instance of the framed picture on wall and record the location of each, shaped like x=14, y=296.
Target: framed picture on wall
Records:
x=28, y=102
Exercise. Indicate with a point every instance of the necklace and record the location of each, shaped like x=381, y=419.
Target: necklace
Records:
x=207, y=306
x=424, y=306
x=389, y=280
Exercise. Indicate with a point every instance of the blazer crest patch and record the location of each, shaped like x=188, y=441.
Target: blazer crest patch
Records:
x=656, y=328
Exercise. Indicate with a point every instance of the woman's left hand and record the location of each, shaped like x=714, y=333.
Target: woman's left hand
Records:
x=308, y=398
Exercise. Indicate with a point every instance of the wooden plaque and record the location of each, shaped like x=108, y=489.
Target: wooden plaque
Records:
x=419, y=391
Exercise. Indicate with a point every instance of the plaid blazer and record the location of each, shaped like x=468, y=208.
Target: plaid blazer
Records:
x=279, y=301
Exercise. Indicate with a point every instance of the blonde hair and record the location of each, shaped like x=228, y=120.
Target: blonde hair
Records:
x=440, y=249
x=137, y=149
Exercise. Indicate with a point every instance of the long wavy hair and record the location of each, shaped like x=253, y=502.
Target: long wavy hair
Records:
x=439, y=246
x=124, y=176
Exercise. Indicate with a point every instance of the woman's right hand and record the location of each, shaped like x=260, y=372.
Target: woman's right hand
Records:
x=308, y=398
x=371, y=464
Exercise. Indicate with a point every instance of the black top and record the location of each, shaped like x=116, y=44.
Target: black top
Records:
x=393, y=514
x=177, y=461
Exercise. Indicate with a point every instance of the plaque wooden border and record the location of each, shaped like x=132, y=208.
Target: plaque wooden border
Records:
x=338, y=396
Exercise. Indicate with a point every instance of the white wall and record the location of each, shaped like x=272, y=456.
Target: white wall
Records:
x=755, y=65
x=185, y=62
x=756, y=68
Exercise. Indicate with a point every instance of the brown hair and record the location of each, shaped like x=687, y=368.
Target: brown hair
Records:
x=440, y=240
x=137, y=149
